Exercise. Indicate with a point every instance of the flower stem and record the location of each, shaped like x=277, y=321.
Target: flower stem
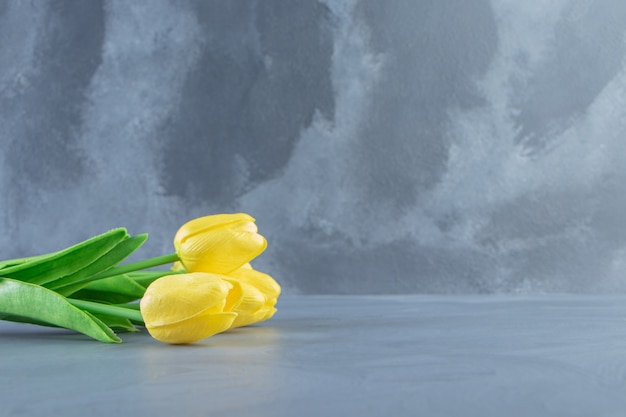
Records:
x=136, y=266
x=108, y=309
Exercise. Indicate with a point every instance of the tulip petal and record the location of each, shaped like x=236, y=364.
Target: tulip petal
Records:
x=205, y=224
x=251, y=308
x=269, y=312
x=235, y=296
x=222, y=251
x=177, y=267
x=219, y=243
x=175, y=298
x=193, y=329
x=265, y=283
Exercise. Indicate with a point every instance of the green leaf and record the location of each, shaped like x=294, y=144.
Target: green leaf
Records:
x=44, y=269
x=145, y=278
x=118, y=289
x=19, y=319
x=13, y=262
x=118, y=324
x=114, y=310
x=114, y=290
x=70, y=283
x=138, y=266
x=30, y=301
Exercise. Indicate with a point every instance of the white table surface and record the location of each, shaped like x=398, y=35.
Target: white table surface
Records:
x=347, y=356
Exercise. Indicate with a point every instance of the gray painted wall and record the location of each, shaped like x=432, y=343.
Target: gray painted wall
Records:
x=398, y=146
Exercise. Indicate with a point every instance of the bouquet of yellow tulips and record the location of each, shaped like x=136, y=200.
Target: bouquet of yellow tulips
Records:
x=209, y=289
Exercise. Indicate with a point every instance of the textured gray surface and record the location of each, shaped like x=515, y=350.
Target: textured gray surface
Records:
x=447, y=146
x=549, y=356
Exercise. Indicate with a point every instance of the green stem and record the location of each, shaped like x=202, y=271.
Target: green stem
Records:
x=108, y=309
x=136, y=266
x=145, y=278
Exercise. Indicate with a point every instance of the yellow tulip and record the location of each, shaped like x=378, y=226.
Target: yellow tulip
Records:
x=185, y=308
x=178, y=267
x=219, y=243
x=259, y=294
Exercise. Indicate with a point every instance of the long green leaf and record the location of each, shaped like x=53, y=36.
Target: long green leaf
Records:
x=115, y=310
x=70, y=283
x=114, y=290
x=18, y=261
x=119, y=324
x=45, y=269
x=20, y=319
x=30, y=301
x=145, y=278
x=117, y=289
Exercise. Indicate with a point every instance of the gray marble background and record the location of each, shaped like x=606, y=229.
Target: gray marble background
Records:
x=395, y=146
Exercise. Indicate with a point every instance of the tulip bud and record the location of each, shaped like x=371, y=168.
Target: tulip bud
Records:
x=259, y=295
x=219, y=243
x=185, y=308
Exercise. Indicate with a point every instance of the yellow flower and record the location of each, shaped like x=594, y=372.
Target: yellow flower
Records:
x=219, y=243
x=259, y=293
x=185, y=308
x=178, y=267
